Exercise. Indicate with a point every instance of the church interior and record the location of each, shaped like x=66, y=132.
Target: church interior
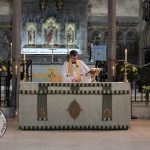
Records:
x=40, y=111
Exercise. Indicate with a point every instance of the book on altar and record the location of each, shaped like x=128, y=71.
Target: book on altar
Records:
x=93, y=72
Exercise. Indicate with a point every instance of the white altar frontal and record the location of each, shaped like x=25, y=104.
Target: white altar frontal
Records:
x=74, y=106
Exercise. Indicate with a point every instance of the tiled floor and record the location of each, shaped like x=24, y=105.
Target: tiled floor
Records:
x=136, y=138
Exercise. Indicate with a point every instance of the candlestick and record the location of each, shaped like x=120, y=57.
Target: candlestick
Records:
x=68, y=47
x=125, y=73
x=11, y=52
x=24, y=71
x=52, y=52
x=16, y=70
x=24, y=55
x=113, y=71
x=125, y=55
x=91, y=52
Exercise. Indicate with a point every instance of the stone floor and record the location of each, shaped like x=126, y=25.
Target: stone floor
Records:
x=136, y=138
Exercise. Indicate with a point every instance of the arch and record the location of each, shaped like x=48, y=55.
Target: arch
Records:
x=5, y=40
x=5, y=33
x=52, y=12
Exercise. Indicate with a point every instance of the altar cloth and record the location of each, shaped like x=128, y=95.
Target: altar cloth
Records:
x=74, y=105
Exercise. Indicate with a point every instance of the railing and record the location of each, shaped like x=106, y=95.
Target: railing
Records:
x=5, y=81
x=5, y=86
x=143, y=78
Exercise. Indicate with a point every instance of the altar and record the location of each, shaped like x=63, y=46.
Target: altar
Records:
x=74, y=106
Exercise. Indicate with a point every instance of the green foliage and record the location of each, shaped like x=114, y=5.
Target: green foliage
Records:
x=146, y=89
x=2, y=68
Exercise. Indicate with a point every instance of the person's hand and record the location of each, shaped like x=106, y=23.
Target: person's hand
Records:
x=77, y=80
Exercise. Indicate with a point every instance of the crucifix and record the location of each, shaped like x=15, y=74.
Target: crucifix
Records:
x=52, y=51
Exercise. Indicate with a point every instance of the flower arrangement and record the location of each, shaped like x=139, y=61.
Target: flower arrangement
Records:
x=130, y=70
x=2, y=68
x=146, y=89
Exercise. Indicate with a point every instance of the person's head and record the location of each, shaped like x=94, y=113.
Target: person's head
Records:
x=73, y=55
x=50, y=24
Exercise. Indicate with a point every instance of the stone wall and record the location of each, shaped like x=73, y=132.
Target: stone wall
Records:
x=92, y=25
x=124, y=8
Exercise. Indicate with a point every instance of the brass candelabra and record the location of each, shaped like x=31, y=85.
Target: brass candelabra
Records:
x=25, y=71
x=125, y=72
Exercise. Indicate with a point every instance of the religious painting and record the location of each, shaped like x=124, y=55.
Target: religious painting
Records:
x=70, y=34
x=50, y=32
x=99, y=52
x=31, y=29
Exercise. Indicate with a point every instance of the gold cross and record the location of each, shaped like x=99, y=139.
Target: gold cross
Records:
x=99, y=54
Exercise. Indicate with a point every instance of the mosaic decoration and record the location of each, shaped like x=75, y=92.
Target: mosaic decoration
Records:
x=51, y=75
x=50, y=33
x=74, y=109
x=31, y=30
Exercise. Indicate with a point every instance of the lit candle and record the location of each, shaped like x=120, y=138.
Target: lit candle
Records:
x=11, y=45
x=24, y=55
x=16, y=70
x=125, y=55
x=113, y=71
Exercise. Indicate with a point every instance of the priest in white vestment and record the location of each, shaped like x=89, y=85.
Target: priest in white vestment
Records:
x=75, y=70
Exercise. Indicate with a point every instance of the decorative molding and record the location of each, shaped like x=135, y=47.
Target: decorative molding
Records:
x=76, y=127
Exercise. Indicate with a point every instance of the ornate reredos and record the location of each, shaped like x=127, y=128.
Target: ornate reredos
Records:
x=66, y=21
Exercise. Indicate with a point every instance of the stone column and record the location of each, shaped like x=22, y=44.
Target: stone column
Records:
x=16, y=47
x=111, y=38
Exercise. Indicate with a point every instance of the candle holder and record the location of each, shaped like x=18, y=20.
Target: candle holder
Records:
x=15, y=95
x=113, y=77
x=25, y=71
x=68, y=49
x=125, y=72
x=91, y=53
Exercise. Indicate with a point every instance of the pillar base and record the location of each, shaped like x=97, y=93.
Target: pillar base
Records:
x=8, y=111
